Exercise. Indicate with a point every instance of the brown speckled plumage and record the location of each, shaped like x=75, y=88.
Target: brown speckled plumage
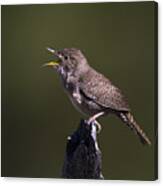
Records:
x=91, y=92
x=103, y=92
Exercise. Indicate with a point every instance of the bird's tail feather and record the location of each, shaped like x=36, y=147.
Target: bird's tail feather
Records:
x=129, y=120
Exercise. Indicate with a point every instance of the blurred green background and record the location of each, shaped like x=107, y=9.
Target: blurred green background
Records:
x=37, y=117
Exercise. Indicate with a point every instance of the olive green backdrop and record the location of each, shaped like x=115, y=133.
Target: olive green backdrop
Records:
x=37, y=117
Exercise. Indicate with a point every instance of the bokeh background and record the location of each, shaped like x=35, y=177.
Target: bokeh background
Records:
x=119, y=40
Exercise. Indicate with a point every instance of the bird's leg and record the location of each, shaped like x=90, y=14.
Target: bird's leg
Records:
x=93, y=119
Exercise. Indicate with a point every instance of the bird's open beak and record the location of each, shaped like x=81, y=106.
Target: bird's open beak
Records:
x=53, y=64
x=51, y=50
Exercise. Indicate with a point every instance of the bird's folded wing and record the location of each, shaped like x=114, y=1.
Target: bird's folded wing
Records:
x=100, y=90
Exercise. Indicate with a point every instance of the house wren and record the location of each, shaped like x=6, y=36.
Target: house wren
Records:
x=91, y=92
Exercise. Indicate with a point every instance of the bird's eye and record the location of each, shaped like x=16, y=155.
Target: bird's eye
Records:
x=65, y=57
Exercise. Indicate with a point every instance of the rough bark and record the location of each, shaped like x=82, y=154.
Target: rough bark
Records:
x=83, y=156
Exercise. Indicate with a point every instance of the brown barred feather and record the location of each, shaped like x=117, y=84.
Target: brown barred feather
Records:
x=127, y=118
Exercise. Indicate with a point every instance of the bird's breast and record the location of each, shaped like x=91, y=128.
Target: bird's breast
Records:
x=86, y=107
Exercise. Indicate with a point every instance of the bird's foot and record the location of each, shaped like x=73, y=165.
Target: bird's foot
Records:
x=98, y=126
x=93, y=118
x=92, y=121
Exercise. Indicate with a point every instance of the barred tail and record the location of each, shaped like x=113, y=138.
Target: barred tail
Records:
x=129, y=120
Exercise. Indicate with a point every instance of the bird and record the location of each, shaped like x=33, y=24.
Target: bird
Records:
x=91, y=93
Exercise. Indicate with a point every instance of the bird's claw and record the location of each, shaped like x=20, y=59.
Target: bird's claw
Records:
x=98, y=126
x=91, y=121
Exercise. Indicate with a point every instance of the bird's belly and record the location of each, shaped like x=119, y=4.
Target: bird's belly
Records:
x=86, y=107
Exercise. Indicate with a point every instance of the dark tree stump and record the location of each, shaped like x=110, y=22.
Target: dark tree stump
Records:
x=83, y=157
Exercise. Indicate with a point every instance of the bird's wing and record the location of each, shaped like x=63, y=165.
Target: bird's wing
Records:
x=100, y=90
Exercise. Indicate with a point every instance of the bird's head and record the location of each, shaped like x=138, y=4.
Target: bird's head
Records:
x=68, y=61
